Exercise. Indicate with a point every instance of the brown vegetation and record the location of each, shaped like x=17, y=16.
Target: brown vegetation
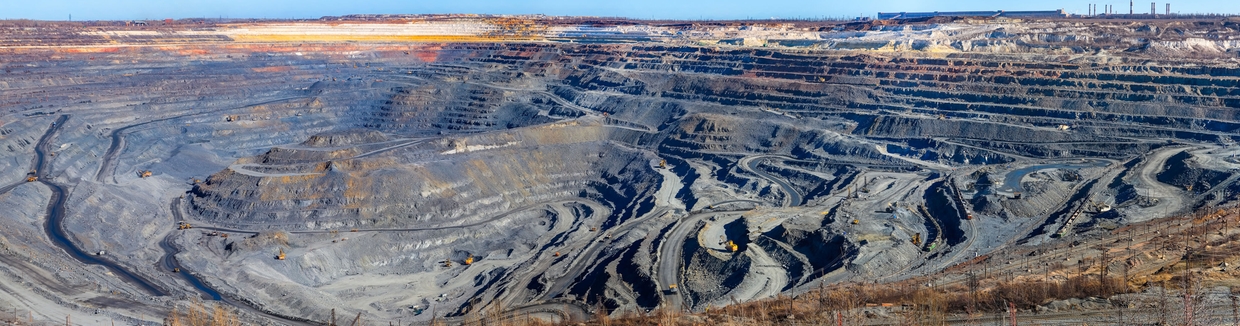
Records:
x=198, y=314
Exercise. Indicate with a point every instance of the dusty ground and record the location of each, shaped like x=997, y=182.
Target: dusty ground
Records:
x=379, y=157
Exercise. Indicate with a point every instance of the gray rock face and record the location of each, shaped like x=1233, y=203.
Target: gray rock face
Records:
x=555, y=178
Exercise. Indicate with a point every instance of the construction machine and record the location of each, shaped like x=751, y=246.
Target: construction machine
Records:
x=176, y=270
x=447, y=263
x=594, y=229
x=732, y=246
x=32, y=178
x=184, y=226
x=662, y=164
x=917, y=239
x=469, y=260
x=671, y=288
x=281, y=255
x=145, y=174
x=557, y=253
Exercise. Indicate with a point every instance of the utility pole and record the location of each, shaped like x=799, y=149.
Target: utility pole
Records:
x=1130, y=7
x=1012, y=312
x=1188, y=309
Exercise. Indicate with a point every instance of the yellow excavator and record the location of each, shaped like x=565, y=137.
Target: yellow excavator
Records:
x=917, y=239
x=32, y=178
x=469, y=260
x=732, y=246
x=662, y=164
x=447, y=263
x=145, y=174
x=281, y=255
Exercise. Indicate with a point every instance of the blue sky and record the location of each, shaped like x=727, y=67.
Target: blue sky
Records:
x=688, y=9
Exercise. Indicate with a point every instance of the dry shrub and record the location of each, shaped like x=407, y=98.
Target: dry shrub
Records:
x=198, y=314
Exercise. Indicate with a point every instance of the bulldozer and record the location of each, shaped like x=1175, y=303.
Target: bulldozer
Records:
x=469, y=260
x=732, y=246
x=281, y=255
x=145, y=174
x=32, y=178
x=447, y=263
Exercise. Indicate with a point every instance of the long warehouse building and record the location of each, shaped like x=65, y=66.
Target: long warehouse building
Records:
x=1000, y=13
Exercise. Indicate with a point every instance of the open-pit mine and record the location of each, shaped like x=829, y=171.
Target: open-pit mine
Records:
x=449, y=169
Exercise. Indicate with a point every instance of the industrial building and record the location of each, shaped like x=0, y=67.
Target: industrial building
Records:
x=1000, y=13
